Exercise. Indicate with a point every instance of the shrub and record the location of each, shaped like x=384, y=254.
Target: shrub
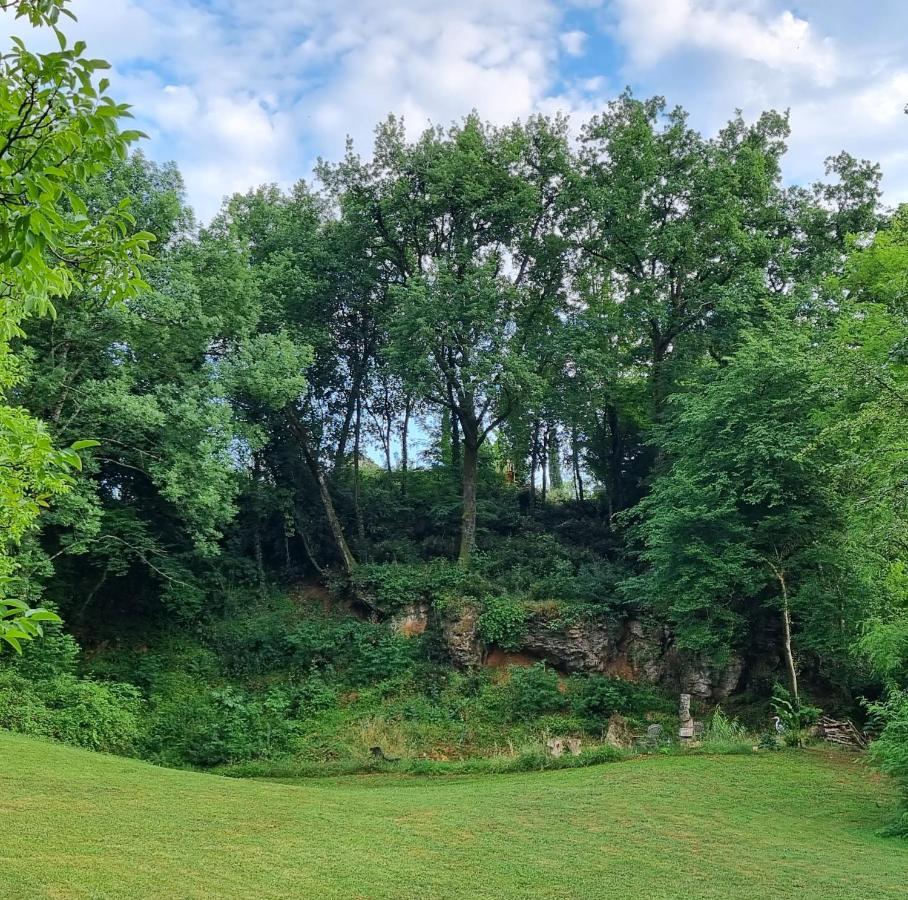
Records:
x=391, y=586
x=795, y=717
x=55, y=654
x=890, y=750
x=94, y=715
x=208, y=727
x=90, y=714
x=502, y=622
x=358, y=652
x=532, y=692
x=594, y=698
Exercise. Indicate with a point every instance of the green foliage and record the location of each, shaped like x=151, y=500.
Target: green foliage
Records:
x=502, y=621
x=391, y=586
x=890, y=750
x=531, y=692
x=595, y=698
x=795, y=717
x=725, y=735
x=210, y=727
x=76, y=711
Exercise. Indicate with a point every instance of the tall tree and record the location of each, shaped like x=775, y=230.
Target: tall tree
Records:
x=463, y=222
x=58, y=130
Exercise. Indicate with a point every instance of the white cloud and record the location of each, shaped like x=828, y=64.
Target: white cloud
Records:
x=841, y=72
x=240, y=93
x=574, y=42
x=652, y=29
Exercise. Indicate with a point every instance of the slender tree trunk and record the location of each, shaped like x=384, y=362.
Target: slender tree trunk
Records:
x=304, y=538
x=455, y=443
x=786, y=639
x=259, y=559
x=404, y=448
x=575, y=459
x=455, y=431
x=337, y=532
x=286, y=536
x=544, y=462
x=341, y=450
x=534, y=461
x=614, y=465
x=357, y=506
x=468, y=519
x=555, y=479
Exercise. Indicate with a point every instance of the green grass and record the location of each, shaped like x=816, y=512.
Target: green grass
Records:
x=77, y=824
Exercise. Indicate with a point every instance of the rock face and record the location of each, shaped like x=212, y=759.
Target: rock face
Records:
x=411, y=620
x=635, y=651
x=461, y=636
x=557, y=747
x=619, y=733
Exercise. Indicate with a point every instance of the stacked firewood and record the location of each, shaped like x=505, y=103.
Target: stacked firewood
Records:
x=842, y=732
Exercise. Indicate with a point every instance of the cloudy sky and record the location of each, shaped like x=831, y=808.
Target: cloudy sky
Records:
x=241, y=92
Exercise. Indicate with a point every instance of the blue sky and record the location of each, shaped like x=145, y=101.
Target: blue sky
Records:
x=240, y=92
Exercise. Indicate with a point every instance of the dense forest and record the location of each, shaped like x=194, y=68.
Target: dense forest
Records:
x=610, y=398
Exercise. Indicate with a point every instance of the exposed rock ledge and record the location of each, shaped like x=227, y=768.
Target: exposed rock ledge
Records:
x=634, y=651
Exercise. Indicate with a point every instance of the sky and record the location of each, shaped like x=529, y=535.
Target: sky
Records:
x=243, y=92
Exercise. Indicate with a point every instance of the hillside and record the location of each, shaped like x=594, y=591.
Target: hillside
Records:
x=79, y=824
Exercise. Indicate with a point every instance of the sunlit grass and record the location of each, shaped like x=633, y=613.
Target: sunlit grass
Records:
x=768, y=825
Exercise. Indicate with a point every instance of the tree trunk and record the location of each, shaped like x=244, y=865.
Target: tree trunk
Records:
x=341, y=450
x=786, y=636
x=468, y=519
x=575, y=459
x=614, y=465
x=455, y=443
x=304, y=538
x=404, y=448
x=259, y=560
x=534, y=460
x=555, y=479
x=337, y=532
x=544, y=462
x=357, y=507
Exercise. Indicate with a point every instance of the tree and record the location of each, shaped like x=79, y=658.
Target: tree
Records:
x=676, y=231
x=58, y=131
x=462, y=224
x=746, y=518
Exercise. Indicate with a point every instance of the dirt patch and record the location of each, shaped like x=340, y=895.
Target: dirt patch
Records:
x=503, y=659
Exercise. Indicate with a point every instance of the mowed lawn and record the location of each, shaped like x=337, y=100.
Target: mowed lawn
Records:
x=77, y=824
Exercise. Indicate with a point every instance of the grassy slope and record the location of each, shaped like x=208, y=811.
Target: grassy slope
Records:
x=77, y=824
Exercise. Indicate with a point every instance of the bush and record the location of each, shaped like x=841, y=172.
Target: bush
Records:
x=90, y=714
x=594, y=698
x=55, y=654
x=890, y=750
x=532, y=692
x=390, y=586
x=795, y=717
x=209, y=727
x=502, y=622
x=359, y=652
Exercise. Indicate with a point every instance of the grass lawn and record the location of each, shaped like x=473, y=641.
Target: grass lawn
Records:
x=77, y=824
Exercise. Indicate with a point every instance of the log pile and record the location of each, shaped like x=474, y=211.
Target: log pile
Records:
x=842, y=732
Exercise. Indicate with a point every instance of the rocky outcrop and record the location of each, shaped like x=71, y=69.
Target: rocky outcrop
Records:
x=636, y=651
x=411, y=620
x=619, y=734
x=461, y=637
